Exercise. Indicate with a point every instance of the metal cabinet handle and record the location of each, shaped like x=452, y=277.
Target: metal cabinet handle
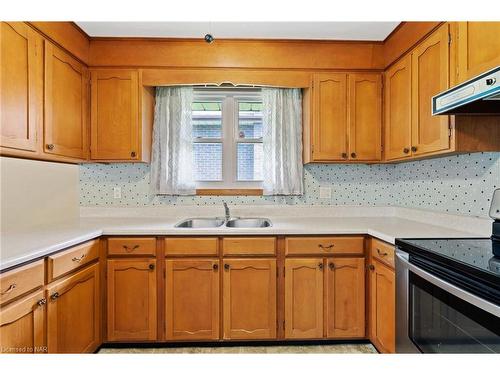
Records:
x=406, y=150
x=320, y=266
x=353, y=155
x=215, y=266
x=42, y=302
x=226, y=266
x=325, y=247
x=79, y=259
x=151, y=266
x=371, y=267
x=54, y=296
x=50, y=146
x=9, y=289
x=130, y=249
x=381, y=253
x=133, y=154
x=413, y=148
x=331, y=265
x=344, y=155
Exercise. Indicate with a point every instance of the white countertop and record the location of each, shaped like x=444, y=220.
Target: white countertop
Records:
x=18, y=247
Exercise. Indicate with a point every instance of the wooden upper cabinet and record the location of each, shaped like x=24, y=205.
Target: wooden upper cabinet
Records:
x=192, y=299
x=21, y=80
x=249, y=298
x=115, y=127
x=398, y=110
x=382, y=307
x=478, y=48
x=132, y=304
x=345, y=298
x=329, y=117
x=22, y=325
x=365, y=117
x=66, y=104
x=430, y=76
x=74, y=312
x=303, y=298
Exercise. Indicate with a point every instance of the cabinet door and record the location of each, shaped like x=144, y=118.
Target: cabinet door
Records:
x=345, y=298
x=66, y=104
x=304, y=298
x=249, y=298
x=382, y=307
x=22, y=325
x=478, y=48
x=329, y=117
x=430, y=71
x=115, y=115
x=131, y=299
x=74, y=313
x=398, y=110
x=192, y=299
x=365, y=117
x=20, y=86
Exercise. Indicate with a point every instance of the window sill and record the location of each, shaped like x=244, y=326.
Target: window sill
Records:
x=247, y=192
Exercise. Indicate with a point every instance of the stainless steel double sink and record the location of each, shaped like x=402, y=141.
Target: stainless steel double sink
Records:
x=216, y=222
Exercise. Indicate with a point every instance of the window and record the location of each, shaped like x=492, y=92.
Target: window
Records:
x=227, y=138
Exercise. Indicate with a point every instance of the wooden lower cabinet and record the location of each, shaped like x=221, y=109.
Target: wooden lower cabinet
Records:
x=192, y=299
x=22, y=325
x=303, y=298
x=249, y=298
x=74, y=312
x=131, y=300
x=345, y=298
x=382, y=307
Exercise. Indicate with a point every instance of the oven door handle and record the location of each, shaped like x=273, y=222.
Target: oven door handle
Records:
x=450, y=288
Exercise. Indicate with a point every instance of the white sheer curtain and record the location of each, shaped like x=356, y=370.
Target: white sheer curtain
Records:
x=172, y=151
x=282, y=141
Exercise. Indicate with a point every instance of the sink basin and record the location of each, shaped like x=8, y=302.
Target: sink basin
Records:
x=249, y=223
x=201, y=223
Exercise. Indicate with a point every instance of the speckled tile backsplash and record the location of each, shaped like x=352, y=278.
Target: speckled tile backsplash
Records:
x=461, y=184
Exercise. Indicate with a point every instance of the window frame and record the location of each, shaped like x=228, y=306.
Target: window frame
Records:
x=230, y=99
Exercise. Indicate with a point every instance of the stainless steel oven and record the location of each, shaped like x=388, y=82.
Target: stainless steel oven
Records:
x=439, y=310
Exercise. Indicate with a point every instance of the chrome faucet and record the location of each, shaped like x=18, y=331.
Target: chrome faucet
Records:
x=226, y=211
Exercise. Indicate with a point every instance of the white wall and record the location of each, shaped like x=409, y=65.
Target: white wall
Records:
x=33, y=193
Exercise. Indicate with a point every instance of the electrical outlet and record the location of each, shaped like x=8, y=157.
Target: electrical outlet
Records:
x=325, y=192
x=117, y=192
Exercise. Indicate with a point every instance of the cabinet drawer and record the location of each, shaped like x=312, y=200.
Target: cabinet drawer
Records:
x=249, y=246
x=132, y=246
x=191, y=246
x=383, y=252
x=324, y=245
x=75, y=257
x=21, y=280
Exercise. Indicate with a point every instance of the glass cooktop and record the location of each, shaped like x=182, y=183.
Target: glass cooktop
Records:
x=474, y=254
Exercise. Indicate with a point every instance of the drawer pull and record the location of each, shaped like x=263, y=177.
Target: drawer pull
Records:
x=79, y=259
x=331, y=265
x=151, y=267
x=320, y=266
x=226, y=267
x=54, y=296
x=371, y=267
x=9, y=289
x=215, y=267
x=42, y=302
x=326, y=248
x=381, y=253
x=130, y=249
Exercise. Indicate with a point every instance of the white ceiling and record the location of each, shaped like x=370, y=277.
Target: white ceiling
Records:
x=242, y=30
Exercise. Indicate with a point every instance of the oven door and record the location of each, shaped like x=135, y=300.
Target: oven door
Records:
x=434, y=316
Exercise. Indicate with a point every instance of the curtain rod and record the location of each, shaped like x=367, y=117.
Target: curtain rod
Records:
x=227, y=84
